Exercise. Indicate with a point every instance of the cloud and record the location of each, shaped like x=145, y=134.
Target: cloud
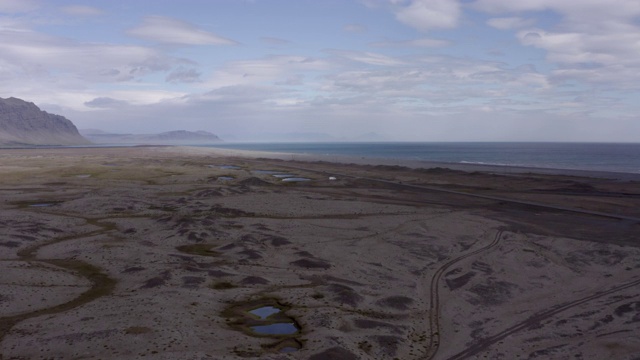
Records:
x=39, y=54
x=82, y=10
x=593, y=42
x=18, y=6
x=56, y=70
x=437, y=80
x=264, y=71
x=274, y=41
x=583, y=10
x=429, y=14
x=507, y=23
x=367, y=57
x=606, y=56
x=422, y=42
x=355, y=28
x=587, y=55
x=105, y=102
x=170, y=31
x=182, y=75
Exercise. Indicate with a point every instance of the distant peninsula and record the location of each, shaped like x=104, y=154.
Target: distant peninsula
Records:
x=23, y=124
x=177, y=137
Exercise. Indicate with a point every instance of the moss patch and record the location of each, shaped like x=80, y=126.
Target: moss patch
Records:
x=198, y=249
x=222, y=285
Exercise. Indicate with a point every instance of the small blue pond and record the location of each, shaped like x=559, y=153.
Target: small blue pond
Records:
x=276, y=329
x=268, y=172
x=42, y=205
x=265, y=311
x=283, y=175
x=295, y=179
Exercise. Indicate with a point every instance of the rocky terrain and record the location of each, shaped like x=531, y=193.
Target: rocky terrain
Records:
x=23, y=124
x=193, y=253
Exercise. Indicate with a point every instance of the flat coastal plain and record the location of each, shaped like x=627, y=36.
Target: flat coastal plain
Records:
x=189, y=253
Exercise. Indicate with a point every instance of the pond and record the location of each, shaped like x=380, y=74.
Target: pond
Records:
x=265, y=311
x=295, y=179
x=276, y=329
x=266, y=172
x=226, y=167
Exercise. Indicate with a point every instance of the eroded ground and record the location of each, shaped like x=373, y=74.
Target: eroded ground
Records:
x=161, y=253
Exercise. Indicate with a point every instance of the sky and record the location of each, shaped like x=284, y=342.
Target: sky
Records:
x=406, y=70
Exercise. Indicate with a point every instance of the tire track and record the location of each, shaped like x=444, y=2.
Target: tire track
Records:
x=434, y=297
x=479, y=196
x=535, y=320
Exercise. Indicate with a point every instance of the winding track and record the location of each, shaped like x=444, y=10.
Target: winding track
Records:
x=434, y=308
x=482, y=344
x=534, y=320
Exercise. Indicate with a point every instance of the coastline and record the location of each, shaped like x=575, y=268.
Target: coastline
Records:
x=416, y=164
x=162, y=252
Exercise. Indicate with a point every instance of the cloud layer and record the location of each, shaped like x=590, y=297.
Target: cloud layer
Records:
x=411, y=69
x=171, y=31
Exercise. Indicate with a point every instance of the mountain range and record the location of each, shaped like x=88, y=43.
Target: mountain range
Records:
x=23, y=124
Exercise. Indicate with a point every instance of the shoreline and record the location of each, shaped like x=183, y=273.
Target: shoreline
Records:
x=417, y=164
x=502, y=169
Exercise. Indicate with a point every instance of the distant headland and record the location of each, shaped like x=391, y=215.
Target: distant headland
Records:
x=22, y=124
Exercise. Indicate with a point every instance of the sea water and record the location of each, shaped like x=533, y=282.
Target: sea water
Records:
x=610, y=157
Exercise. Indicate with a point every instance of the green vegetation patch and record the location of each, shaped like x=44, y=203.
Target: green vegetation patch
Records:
x=198, y=249
x=102, y=285
x=222, y=285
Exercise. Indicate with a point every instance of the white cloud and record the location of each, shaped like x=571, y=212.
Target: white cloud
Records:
x=264, y=71
x=593, y=42
x=275, y=41
x=82, y=10
x=437, y=80
x=171, y=31
x=18, y=6
x=355, y=28
x=579, y=10
x=42, y=54
x=506, y=23
x=422, y=42
x=429, y=14
x=367, y=57
x=106, y=102
x=54, y=70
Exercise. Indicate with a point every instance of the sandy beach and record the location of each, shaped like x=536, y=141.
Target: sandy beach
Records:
x=200, y=253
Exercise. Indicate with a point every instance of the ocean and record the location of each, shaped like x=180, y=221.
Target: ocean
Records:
x=607, y=157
